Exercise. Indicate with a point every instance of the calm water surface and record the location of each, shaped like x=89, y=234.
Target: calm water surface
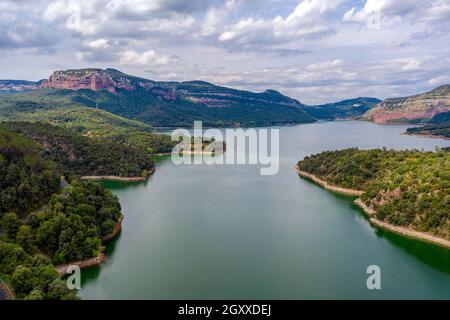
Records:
x=225, y=232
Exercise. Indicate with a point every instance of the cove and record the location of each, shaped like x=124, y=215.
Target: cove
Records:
x=226, y=232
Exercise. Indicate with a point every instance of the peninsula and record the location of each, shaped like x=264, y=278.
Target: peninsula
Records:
x=401, y=191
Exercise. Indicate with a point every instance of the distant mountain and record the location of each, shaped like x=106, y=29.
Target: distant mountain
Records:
x=15, y=86
x=173, y=103
x=417, y=108
x=346, y=109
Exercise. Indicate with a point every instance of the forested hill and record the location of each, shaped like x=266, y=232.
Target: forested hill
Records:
x=405, y=188
x=345, y=109
x=170, y=104
x=82, y=155
x=27, y=180
x=439, y=126
x=44, y=220
x=92, y=122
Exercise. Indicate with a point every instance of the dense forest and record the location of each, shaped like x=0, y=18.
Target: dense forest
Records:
x=60, y=111
x=406, y=188
x=233, y=108
x=27, y=180
x=44, y=220
x=82, y=155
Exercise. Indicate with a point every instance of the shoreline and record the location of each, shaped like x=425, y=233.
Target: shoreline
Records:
x=326, y=185
x=404, y=231
x=118, y=178
x=94, y=261
x=430, y=136
x=188, y=152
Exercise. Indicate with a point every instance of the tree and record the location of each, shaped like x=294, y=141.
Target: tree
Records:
x=22, y=280
x=10, y=224
x=25, y=238
x=35, y=294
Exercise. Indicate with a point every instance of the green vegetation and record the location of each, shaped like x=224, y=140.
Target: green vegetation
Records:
x=437, y=130
x=32, y=277
x=82, y=155
x=27, y=180
x=406, y=188
x=166, y=104
x=43, y=219
x=50, y=106
x=231, y=108
x=346, y=109
x=438, y=126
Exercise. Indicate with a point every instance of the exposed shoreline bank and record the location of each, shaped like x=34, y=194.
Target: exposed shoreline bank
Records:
x=94, y=261
x=188, y=152
x=118, y=178
x=404, y=231
x=425, y=135
x=326, y=185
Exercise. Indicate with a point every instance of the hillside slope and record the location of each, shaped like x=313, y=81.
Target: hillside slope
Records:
x=417, y=108
x=345, y=109
x=44, y=221
x=173, y=103
x=17, y=86
x=438, y=126
x=49, y=107
x=404, y=188
x=82, y=155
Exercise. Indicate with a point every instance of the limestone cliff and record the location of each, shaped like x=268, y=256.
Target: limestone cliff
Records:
x=417, y=108
x=94, y=79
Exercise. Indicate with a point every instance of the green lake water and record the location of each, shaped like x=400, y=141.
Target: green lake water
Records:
x=226, y=232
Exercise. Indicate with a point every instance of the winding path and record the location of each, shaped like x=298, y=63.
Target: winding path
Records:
x=5, y=292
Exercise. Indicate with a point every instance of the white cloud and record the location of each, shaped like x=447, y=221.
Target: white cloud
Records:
x=314, y=50
x=146, y=58
x=413, y=11
x=387, y=8
x=98, y=44
x=438, y=12
x=327, y=65
x=439, y=80
x=305, y=20
x=216, y=16
x=246, y=29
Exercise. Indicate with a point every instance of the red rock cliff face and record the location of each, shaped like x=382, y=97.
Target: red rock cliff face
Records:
x=93, y=79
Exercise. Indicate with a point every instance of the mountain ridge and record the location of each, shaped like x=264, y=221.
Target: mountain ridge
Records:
x=171, y=104
x=344, y=109
x=416, y=108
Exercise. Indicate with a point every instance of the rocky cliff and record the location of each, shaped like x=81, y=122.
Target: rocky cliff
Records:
x=95, y=79
x=417, y=108
x=172, y=104
x=17, y=86
x=197, y=92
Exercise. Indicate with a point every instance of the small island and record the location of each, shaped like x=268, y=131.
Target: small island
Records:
x=406, y=192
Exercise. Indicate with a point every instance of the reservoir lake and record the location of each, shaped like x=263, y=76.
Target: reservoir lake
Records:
x=226, y=232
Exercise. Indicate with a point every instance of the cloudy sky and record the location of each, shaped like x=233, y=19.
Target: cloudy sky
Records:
x=314, y=50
